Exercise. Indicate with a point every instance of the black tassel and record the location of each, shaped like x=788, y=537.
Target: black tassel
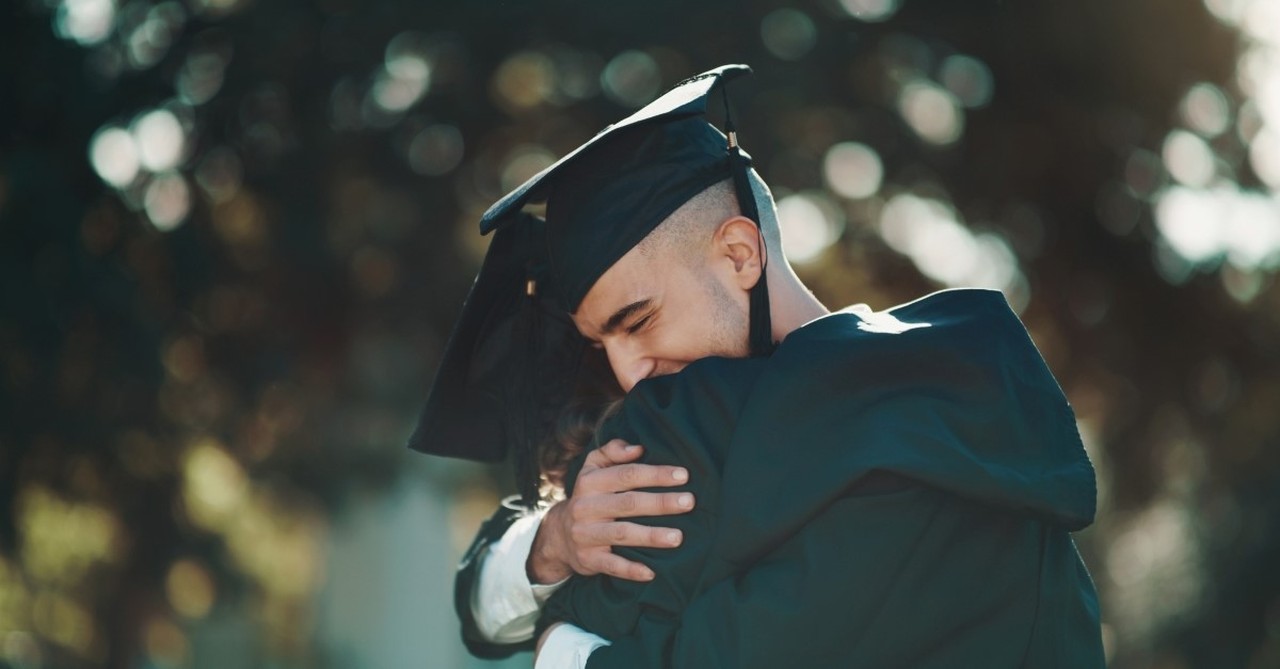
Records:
x=528, y=473
x=761, y=324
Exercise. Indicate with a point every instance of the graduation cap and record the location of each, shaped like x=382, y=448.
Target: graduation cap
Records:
x=512, y=360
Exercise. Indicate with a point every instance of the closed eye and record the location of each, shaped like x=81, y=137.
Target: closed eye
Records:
x=636, y=327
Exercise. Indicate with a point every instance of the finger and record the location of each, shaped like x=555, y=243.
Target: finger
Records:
x=621, y=478
x=634, y=505
x=615, y=452
x=620, y=567
x=629, y=534
x=607, y=507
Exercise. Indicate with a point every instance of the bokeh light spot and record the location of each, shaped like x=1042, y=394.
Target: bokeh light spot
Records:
x=1205, y=110
x=1188, y=158
x=167, y=201
x=214, y=485
x=215, y=8
x=788, y=34
x=219, y=174
x=150, y=40
x=405, y=76
x=1144, y=173
x=278, y=545
x=64, y=621
x=114, y=156
x=1227, y=11
x=809, y=223
x=929, y=233
x=436, y=149
x=1264, y=156
x=201, y=77
x=190, y=588
x=88, y=22
x=1201, y=226
x=62, y=539
x=932, y=112
x=969, y=79
x=852, y=170
x=871, y=10
x=160, y=140
x=577, y=73
x=524, y=80
x=184, y=359
x=1188, y=221
x=631, y=79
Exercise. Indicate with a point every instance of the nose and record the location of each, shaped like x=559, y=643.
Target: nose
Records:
x=629, y=366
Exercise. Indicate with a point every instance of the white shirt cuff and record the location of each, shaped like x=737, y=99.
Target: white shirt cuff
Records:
x=506, y=605
x=567, y=647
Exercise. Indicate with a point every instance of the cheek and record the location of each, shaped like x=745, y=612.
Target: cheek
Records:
x=705, y=328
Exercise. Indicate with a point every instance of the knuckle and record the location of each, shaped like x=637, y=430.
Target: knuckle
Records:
x=651, y=504
x=626, y=503
x=586, y=481
x=617, y=567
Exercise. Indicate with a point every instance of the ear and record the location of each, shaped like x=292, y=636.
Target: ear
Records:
x=738, y=240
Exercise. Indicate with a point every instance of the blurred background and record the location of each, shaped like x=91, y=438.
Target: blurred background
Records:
x=234, y=235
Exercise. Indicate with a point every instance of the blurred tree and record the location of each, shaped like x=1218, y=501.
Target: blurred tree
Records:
x=234, y=235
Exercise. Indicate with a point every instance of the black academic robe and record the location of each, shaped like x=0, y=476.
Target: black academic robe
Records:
x=889, y=489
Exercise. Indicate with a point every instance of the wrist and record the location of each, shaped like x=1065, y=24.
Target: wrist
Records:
x=545, y=565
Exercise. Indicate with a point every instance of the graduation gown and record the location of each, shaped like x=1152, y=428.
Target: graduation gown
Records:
x=891, y=489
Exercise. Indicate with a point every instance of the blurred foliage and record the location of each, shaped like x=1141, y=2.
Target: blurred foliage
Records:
x=234, y=236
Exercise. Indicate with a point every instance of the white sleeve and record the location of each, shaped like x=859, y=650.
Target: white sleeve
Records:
x=506, y=605
x=567, y=647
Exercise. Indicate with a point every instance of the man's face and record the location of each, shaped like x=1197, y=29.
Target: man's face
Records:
x=653, y=313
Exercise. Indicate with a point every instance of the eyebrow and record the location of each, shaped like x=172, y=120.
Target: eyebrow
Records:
x=620, y=316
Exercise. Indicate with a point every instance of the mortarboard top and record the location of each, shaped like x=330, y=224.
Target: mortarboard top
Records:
x=511, y=362
x=606, y=195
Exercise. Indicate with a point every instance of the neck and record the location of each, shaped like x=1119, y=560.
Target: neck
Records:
x=791, y=303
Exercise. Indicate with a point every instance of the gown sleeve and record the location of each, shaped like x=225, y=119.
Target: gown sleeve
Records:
x=465, y=583
x=684, y=420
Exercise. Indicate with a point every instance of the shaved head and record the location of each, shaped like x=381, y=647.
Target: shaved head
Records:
x=688, y=230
